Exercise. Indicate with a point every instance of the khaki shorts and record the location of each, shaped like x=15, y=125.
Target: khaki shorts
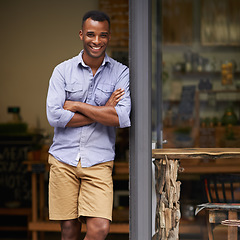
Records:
x=76, y=192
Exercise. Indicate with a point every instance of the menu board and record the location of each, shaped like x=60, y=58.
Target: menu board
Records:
x=118, y=13
x=15, y=180
x=186, y=106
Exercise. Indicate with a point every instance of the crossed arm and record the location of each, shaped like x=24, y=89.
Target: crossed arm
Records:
x=86, y=114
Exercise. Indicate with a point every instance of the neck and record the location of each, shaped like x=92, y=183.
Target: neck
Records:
x=93, y=63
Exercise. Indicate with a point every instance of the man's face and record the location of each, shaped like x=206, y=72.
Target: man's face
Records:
x=95, y=36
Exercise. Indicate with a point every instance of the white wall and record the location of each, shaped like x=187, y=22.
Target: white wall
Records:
x=35, y=36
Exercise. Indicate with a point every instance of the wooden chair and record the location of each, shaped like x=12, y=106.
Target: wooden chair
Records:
x=223, y=196
x=222, y=188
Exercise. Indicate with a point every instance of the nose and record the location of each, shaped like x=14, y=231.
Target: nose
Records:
x=96, y=40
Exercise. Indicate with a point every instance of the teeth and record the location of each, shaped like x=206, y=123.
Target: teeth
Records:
x=96, y=48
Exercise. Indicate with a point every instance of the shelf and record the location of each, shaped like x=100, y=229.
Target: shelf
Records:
x=220, y=91
x=198, y=75
x=15, y=212
x=121, y=177
x=188, y=227
x=121, y=168
x=198, y=92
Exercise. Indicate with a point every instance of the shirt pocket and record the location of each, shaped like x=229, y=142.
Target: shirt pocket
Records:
x=74, y=91
x=103, y=93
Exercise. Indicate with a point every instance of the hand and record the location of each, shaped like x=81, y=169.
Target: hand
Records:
x=115, y=97
x=70, y=105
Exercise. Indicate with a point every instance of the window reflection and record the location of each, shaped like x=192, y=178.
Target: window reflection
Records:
x=201, y=73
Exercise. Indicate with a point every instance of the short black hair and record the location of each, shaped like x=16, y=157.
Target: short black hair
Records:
x=96, y=16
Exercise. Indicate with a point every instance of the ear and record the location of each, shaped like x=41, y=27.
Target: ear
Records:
x=81, y=34
x=109, y=36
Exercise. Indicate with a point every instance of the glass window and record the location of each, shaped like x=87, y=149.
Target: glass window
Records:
x=201, y=73
x=196, y=90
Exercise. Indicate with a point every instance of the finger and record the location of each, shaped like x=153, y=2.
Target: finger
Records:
x=119, y=90
x=120, y=95
x=119, y=99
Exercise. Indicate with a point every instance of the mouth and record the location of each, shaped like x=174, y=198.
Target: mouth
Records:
x=96, y=48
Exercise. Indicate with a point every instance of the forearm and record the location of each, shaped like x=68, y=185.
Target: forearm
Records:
x=79, y=120
x=105, y=115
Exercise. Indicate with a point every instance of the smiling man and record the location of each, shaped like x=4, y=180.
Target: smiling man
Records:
x=88, y=97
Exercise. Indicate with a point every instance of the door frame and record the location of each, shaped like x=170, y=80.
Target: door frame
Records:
x=140, y=48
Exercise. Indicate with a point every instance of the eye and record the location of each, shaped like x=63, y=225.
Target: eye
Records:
x=104, y=35
x=90, y=34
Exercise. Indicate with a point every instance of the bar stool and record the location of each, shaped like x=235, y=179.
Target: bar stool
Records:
x=223, y=203
x=232, y=228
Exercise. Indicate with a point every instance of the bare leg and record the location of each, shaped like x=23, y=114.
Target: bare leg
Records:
x=70, y=229
x=97, y=228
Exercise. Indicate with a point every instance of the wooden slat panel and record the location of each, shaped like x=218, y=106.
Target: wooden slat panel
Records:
x=177, y=21
x=15, y=211
x=13, y=228
x=55, y=227
x=185, y=227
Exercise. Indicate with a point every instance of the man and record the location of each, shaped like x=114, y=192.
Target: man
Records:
x=88, y=97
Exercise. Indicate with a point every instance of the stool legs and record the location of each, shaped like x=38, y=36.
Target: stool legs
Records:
x=209, y=227
x=232, y=230
x=34, y=203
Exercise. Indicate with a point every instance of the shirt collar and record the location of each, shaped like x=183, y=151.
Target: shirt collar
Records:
x=105, y=60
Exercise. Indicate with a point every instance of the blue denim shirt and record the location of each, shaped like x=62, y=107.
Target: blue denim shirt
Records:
x=73, y=80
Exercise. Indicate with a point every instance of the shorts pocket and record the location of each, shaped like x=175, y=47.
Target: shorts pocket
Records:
x=50, y=157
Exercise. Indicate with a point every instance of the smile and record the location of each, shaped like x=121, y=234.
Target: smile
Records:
x=96, y=48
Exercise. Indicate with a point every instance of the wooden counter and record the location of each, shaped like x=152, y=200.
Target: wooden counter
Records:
x=203, y=160
x=190, y=160
x=202, y=153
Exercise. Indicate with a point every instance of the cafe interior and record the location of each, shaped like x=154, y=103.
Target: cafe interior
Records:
x=196, y=79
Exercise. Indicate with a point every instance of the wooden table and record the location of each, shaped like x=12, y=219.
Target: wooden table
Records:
x=204, y=160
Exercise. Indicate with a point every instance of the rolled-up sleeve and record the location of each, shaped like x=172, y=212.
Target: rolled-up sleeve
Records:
x=123, y=108
x=56, y=115
x=123, y=116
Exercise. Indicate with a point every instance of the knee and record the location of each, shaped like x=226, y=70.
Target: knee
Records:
x=103, y=230
x=98, y=230
x=70, y=229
